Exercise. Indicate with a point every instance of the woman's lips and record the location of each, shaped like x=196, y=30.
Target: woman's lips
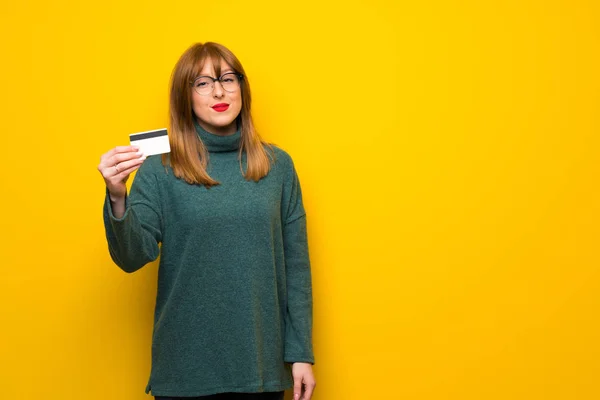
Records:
x=220, y=107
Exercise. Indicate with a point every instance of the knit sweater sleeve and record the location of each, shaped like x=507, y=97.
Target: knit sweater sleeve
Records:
x=133, y=239
x=298, y=320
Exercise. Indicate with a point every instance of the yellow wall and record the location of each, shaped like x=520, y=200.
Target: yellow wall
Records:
x=448, y=155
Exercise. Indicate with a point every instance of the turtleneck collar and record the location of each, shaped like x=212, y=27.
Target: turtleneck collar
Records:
x=217, y=143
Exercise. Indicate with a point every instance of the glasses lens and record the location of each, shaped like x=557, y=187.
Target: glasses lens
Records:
x=230, y=82
x=203, y=85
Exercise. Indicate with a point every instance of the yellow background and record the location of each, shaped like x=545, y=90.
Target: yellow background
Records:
x=448, y=156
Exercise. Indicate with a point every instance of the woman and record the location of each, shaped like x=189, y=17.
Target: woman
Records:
x=233, y=316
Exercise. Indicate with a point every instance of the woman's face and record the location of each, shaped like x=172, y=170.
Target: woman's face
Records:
x=217, y=120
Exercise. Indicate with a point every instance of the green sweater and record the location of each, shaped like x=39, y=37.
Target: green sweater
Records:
x=234, y=299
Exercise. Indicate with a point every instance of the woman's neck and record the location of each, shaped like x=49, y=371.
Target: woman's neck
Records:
x=219, y=130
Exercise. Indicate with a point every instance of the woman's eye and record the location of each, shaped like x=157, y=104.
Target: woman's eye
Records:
x=228, y=80
x=200, y=84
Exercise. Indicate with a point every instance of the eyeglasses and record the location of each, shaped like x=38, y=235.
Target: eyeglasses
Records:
x=204, y=85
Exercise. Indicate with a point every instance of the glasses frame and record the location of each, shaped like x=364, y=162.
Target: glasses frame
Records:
x=220, y=79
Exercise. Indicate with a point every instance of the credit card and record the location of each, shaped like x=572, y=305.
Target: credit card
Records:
x=151, y=142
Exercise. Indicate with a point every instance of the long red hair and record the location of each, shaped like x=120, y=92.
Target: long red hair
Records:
x=189, y=157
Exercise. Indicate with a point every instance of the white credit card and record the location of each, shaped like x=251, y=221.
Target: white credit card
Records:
x=151, y=142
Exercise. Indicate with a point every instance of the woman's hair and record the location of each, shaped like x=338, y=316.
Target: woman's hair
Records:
x=189, y=156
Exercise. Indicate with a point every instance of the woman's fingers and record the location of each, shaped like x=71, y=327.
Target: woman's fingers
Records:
x=118, y=154
x=119, y=149
x=125, y=173
x=121, y=167
x=297, y=388
x=304, y=381
x=309, y=387
x=119, y=159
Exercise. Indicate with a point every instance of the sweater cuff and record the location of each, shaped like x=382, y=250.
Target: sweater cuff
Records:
x=308, y=360
x=109, y=210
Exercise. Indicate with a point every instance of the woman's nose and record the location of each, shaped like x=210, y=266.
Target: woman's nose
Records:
x=218, y=89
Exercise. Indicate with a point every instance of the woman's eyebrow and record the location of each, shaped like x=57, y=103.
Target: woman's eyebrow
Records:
x=222, y=72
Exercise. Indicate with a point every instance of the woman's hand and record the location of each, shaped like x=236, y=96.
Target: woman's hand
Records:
x=304, y=380
x=116, y=165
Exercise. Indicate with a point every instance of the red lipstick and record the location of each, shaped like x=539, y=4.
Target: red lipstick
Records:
x=220, y=107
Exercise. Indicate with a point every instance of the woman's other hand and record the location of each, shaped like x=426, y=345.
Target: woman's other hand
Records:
x=304, y=381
